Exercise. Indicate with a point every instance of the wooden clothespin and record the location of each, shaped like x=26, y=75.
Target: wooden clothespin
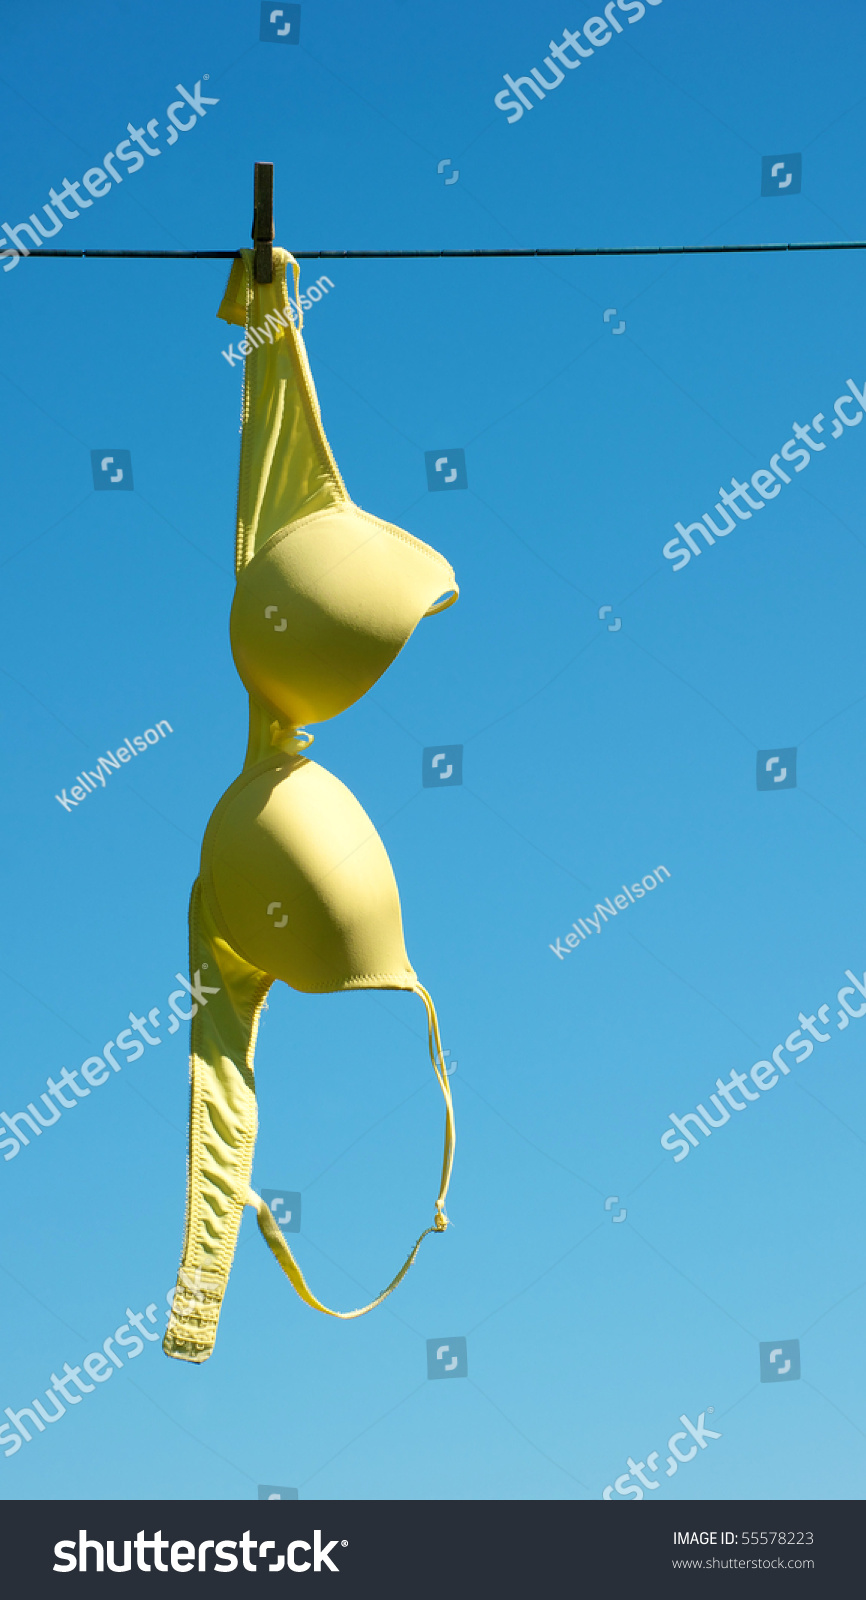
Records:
x=263, y=221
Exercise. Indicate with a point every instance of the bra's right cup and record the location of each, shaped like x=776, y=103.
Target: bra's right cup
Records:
x=321, y=611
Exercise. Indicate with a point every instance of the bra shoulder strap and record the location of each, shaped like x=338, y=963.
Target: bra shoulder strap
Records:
x=276, y=1242
x=287, y=469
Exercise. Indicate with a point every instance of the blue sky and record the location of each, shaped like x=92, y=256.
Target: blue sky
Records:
x=592, y=754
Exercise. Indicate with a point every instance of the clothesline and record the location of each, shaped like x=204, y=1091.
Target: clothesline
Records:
x=413, y=255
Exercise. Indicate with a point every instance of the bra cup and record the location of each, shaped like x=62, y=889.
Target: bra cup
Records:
x=325, y=606
x=300, y=884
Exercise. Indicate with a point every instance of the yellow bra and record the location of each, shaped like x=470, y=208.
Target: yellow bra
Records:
x=295, y=883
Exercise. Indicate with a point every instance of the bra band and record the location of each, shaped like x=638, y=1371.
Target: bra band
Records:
x=278, y=1245
x=223, y=1122
x=222, y=1136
